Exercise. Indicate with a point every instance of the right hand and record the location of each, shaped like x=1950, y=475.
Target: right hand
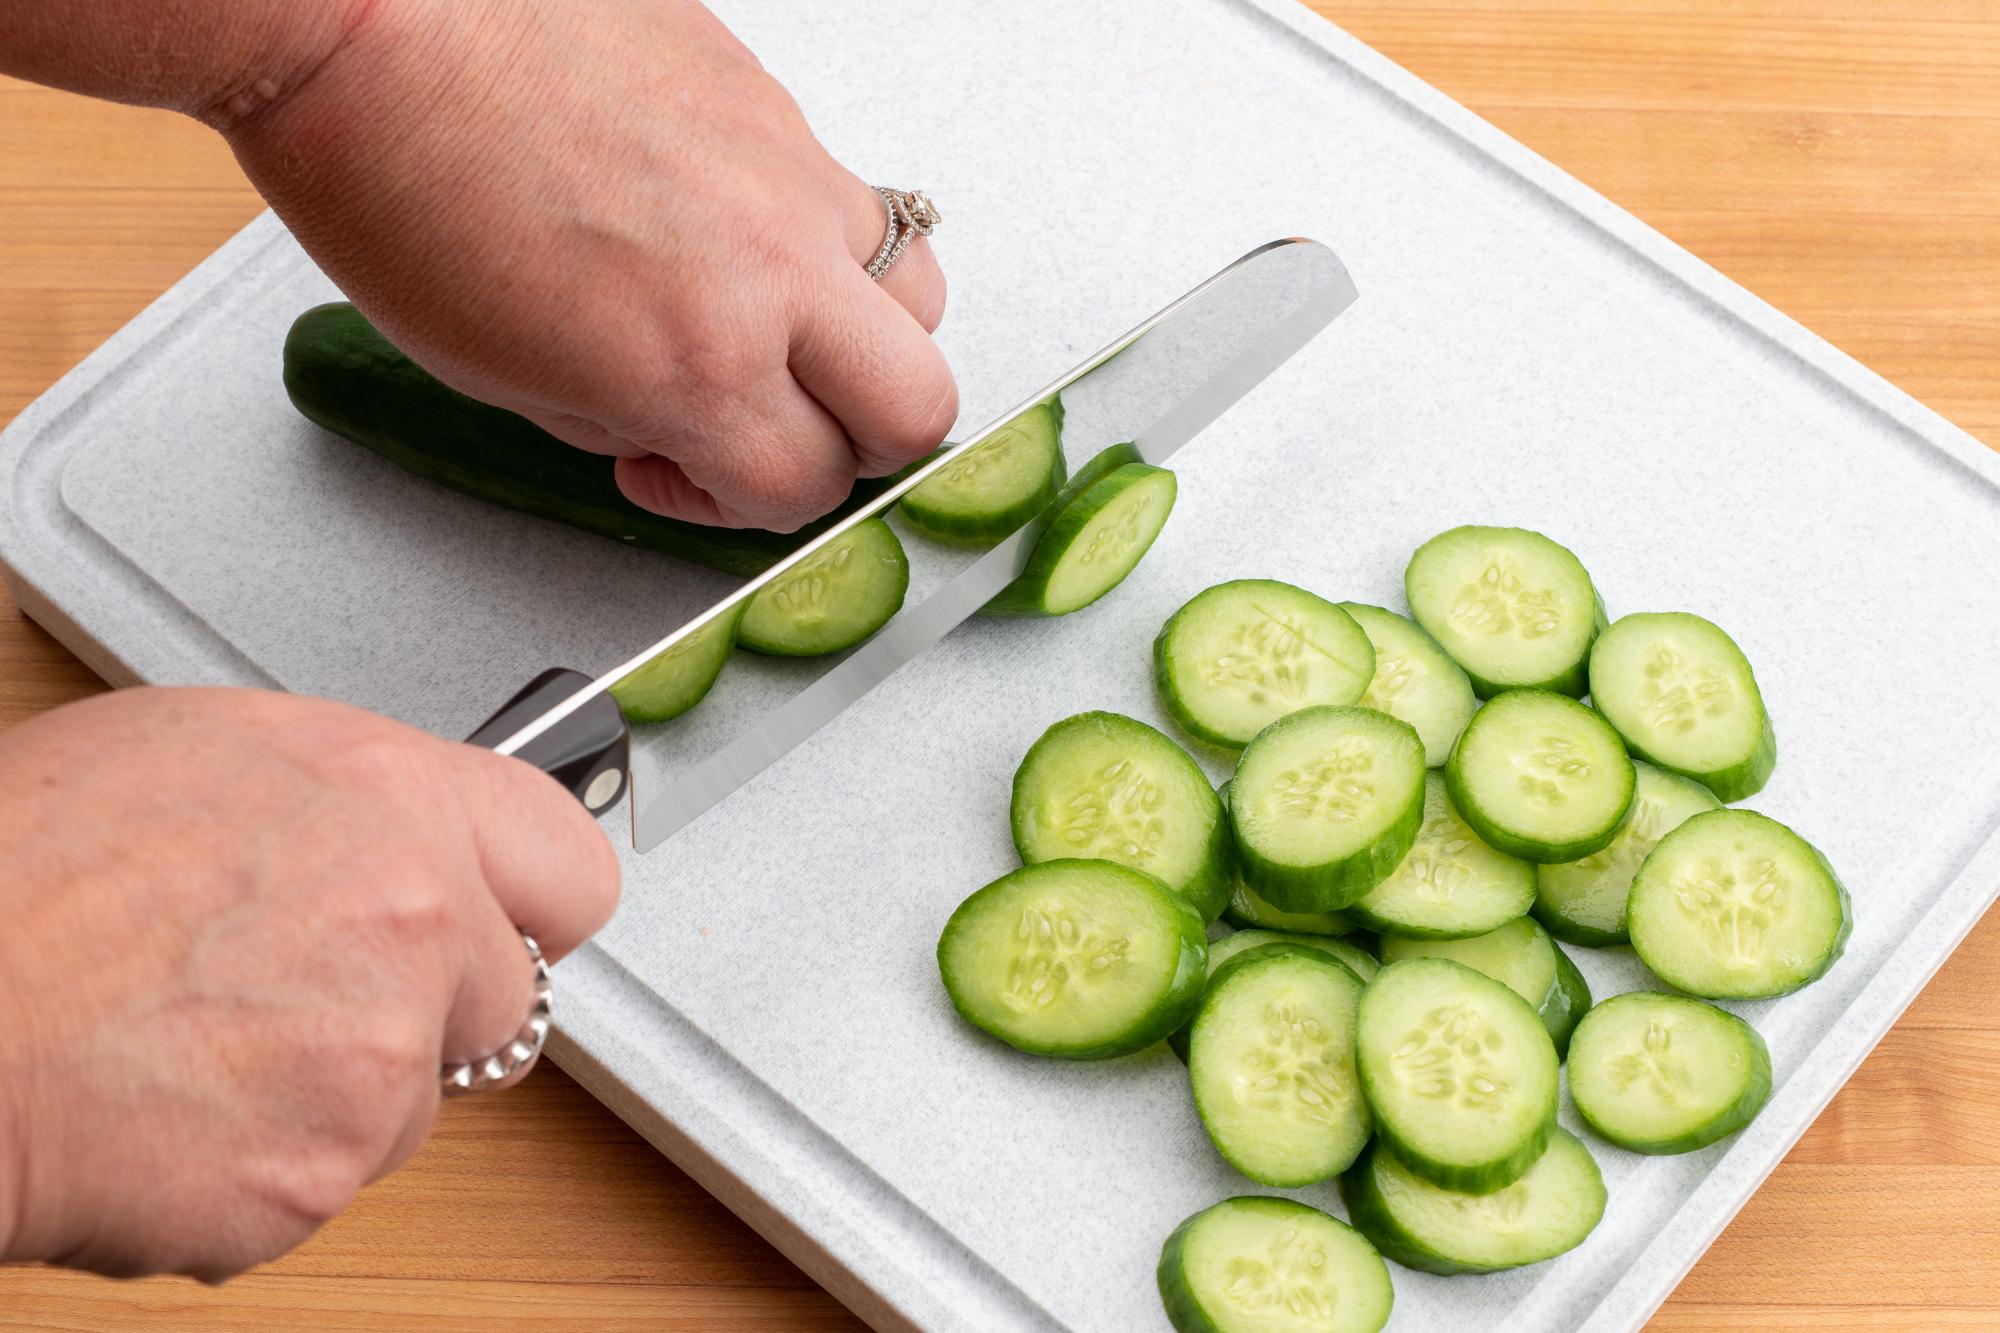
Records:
x=606, y=216
x=241, y=933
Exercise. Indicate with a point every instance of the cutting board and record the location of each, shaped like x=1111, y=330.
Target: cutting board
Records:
x=765, y=1006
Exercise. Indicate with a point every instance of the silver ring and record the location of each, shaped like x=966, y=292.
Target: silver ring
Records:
x=516, y=1055
x=911, y=214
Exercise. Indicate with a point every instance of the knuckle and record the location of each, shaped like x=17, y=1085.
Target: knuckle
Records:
x=305, y=1191
x=395, y=1047
x=413, y=910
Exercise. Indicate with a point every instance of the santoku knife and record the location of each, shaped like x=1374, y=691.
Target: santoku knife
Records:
x=1156, y=387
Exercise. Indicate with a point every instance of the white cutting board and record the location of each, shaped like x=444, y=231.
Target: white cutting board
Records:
x=765, y=1006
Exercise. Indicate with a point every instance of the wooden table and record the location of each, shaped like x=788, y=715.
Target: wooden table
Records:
x=1839, y=157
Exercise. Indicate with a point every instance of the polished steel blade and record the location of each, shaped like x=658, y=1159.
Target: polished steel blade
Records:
x=1156, y=387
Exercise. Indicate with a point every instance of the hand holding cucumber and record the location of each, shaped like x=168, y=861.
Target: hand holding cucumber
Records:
x=606, y=217
x=610, y=219
x=243, y=931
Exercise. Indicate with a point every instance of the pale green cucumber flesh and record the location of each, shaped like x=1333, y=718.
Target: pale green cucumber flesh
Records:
x=1324, y=804
x=1682, y=695
x=991, y=487
x=1271, y=1063
x=1345, y=952
x=1541, y=777
x=1092, y=542
x=1734, y=905
x=679, y=678
x=1450, y=884
x=1460, y=1072
x=1583, y=902
x=1240, y=655
x=1256, y=1264
x=1104, y=785
x=1520, y=955
x=1516, y=610
x=1082, y=960
x=1415, y=680
x=1548, y=1211
x=1664, y=1074
x=835, y=599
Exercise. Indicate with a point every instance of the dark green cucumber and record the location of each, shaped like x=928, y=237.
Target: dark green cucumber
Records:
x=990, y=488
x=343, y=375
x=1521, y=955
x=833, y=600
x=1548, y=1211
x=1325, y=803
x=1664, y=1074
x=1460, y=1072
x=1271, y=1063
x=1096, y=533
x=1106, y=785
x=680, y=677
x=1345, y=952
x=1081, y=960
x=1255, y=1264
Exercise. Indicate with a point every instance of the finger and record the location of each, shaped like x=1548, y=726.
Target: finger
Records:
x=784, y=462
x=917, y=283
x=496, y=986
x=861, y=355
x=914, y=281
x=545, y=861
x=585, y=435
x=419, y=1118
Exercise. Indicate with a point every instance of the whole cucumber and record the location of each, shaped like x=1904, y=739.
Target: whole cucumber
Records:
x=345, y=376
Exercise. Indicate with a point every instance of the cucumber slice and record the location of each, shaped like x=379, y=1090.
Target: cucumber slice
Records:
x=1583, y=902
x=680, y=677
x=991, y=488
x=1513, y=608
x=1521, y=956
x=1451, y=884
x=834, y=600
x=1415, y=680
x=1103, y=785
x=1735, y=906
x=1082, y=960
x=1239, y=656
x=1459, y=1071
x=1680, y=692
x=1541, y=777
x=1662, y=1074
x=1324, y=804
x=1349, y=955
x=1261, y=1265
x=1248, y=911
x=1094, y=539
x=1545, y=1213
x=1271, y=1061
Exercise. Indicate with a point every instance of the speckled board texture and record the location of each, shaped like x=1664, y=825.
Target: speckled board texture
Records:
x=766, y=1003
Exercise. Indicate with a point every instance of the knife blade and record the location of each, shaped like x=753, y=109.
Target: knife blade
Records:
x=1155, y=386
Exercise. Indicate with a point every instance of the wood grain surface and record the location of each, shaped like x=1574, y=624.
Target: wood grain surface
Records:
x=1841, y=158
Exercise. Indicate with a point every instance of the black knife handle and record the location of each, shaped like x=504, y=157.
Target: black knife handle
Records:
x=589, y=752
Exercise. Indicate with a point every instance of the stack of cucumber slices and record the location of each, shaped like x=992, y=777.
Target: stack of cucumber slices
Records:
x=1381, y=996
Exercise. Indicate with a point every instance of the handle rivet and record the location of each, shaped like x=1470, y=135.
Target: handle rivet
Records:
x=603, y=788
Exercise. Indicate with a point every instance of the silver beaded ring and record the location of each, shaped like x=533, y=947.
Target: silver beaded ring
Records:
x=516, y=1055
x=911, y=214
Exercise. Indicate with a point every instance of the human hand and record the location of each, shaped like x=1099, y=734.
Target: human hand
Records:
x=606, y=216
x=243, y=930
